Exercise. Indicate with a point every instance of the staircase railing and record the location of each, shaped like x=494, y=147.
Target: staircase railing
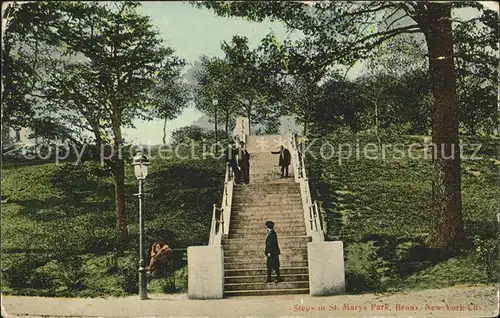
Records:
x=311, y=208
x=221, y=216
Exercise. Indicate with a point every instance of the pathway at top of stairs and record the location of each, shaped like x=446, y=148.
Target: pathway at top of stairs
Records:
x=267, y=197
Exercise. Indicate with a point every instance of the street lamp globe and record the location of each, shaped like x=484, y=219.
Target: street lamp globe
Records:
x=141, y=166
x=215, y=101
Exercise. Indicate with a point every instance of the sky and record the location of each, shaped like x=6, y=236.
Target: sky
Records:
x=193, y=32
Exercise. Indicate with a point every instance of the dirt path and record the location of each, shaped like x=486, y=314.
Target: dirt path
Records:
x=449, y=302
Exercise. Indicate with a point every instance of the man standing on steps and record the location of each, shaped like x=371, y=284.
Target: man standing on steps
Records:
x=272, y=253
x=284, y=160
x=231, y=159
x=244, y=163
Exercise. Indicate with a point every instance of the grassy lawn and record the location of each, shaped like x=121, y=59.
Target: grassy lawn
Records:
x=62, y=219
x=381, y=210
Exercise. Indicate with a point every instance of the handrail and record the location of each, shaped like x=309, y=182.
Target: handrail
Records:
x=220, y=224
x=219, y=227
x=311, y=209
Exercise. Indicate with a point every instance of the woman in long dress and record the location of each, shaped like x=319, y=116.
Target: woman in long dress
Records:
x=160, y=261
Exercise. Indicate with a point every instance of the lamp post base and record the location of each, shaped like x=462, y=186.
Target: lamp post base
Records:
x=143, y=283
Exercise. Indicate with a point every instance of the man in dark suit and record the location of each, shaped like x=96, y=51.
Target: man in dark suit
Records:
x=284, y=160
x=272, y=253
x=231, y=159
x=244, y=163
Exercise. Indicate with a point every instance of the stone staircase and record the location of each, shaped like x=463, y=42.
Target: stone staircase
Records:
x=267, y=197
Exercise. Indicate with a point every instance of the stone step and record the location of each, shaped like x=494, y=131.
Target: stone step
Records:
x=269, y=182
x=255, y=233
x=279, y=220
x=266, y=163
x=270, y=186
x=263, y=194
x=282, y=234
x=255, y=219
x=263, y=271
x=239, y=222
x=278, y=200
x=258, y=252
x=281, y=217
x=266, y=286
x=262, y=278
x=287, y=204
x=269, y=213
x=259, y=232
x=241, y=210
x=265, y=190
x=276, y=173
x=295, y=238
x=294, y=291
x=270, y=179
x=275, y=188
x=265, y=151
x=268, y=171
x=262, y=243
x=293, y=257
x=262, y=264
x=260, y=229
x=266, y=194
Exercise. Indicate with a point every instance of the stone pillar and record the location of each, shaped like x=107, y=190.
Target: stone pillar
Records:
x=326, y=268
x=205, y=272
x=246, y=126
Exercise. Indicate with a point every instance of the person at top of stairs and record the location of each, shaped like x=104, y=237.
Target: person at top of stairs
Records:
x=272, y=253
x=284, y=160
x=231, y=154
x=244, y=163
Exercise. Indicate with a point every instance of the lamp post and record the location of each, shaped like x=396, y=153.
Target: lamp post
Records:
x=141, y=169
x=215, y=101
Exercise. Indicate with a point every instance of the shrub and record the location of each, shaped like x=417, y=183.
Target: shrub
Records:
x=365, y=269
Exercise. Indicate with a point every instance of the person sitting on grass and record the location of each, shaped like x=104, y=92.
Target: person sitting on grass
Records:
x=160, y=261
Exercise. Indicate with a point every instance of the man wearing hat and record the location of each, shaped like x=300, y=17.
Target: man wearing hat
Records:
x=244, y=163
x=272, y=253
x=284, y=160
x=231, y=153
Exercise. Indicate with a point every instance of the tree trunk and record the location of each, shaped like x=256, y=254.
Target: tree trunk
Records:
x=377, y=134
x=447, y=228
x=119, y=179
x=98, y=144
x=118, y=169
x=226, y=124
x=249, y=116
x=164, y=139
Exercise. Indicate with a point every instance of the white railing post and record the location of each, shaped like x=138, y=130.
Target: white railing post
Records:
x=310, y=208
x=225, y=211
x=295, y=159
x=212, y=227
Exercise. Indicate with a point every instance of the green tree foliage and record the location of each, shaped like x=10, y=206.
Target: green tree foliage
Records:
x=343, y=32
x=339, y=106
x=24, y=41
x=188, y=133
x=214, y=79
x=107, y=66
x=476, y=52
x=250, y=80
